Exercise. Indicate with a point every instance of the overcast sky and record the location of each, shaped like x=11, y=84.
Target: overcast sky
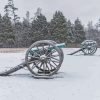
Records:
x=86, y=10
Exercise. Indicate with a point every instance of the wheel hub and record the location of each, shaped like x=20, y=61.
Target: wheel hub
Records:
x=43, y=58
x=89, y=47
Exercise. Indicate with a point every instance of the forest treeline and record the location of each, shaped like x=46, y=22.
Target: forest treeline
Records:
x=16, y=33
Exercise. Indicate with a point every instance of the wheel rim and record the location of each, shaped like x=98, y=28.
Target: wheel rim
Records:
x=43, y=61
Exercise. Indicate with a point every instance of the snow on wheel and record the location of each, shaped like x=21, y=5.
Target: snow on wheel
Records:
x=89, y=47
x=43, y=58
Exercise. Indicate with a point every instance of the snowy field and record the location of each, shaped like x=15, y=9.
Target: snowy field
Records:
x=77, y=79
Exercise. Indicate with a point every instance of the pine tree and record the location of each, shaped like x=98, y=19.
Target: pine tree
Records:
x=39, y=28
x=92, y=32
x=0, y=23
x=27, y=19
x=79, y=31
x=18, y=30
x=6, y=24
x=26, y=32
x=10, y=11
x=71, y=38
x=37, y=13
x=7, y=32
x=58, y=27
x=1, y=31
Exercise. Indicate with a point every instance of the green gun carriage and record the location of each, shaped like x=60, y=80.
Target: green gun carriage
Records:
x=43, y=59
x=88, y=47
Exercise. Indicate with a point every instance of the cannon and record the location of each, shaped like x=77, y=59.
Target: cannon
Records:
x=43, y=59
x=88, y=47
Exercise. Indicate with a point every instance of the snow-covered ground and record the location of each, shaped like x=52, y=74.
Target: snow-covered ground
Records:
x=77, y=79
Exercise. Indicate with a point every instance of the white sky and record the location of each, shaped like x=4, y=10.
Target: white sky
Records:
x=86, y=10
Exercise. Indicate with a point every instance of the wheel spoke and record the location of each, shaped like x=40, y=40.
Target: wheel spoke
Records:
x=43, y=67
x=40, y=66
x=51, y=65
x=55, y=59
x=54, y=56
x=86, y=51
x=53, y=62
x=33, y=67
x=36, y=65
x=48, y=68
x=51, y=52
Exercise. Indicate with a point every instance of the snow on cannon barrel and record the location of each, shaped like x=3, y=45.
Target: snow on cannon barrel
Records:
x=43, y=59
x=88, y=47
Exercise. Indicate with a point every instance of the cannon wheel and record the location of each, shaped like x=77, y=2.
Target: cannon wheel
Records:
x=45, y=60
x=89, y=47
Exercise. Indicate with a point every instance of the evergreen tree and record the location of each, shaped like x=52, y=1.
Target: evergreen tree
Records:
x=1, y=23
x=26, y=34
x=7, y=32
x=37, y=13
x=71, y=32
x=90, y=26
x=18, y=30
x=97, y=26
x=27, y=19
x=58, y=27
x=10, y=11
x=39, y=28
x=79, y=31
x=92, y=32
x=6, y=24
